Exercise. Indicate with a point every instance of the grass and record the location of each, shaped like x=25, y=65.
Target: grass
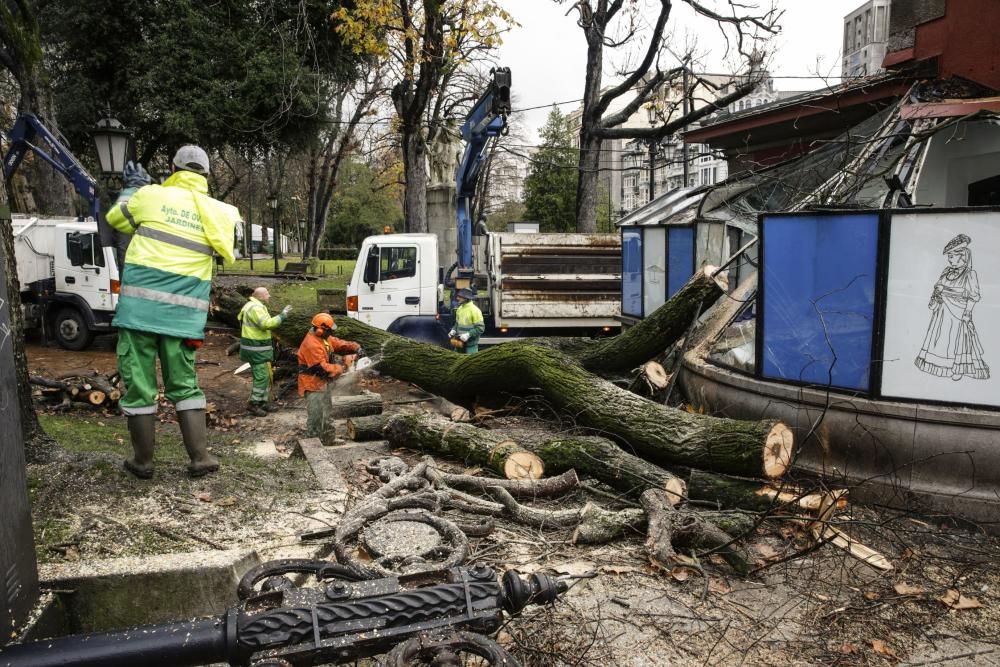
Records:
x=333, y=268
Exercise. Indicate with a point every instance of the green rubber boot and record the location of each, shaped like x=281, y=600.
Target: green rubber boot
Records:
x=142, y=433
x=194, y=430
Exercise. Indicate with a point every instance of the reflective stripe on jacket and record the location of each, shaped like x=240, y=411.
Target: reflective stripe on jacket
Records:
x=167, y=278
x=315, y=368
x=255, y=335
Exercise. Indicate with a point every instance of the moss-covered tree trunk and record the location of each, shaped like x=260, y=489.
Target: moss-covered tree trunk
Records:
x=616, y=356
x=465, y=443
x=596, y=457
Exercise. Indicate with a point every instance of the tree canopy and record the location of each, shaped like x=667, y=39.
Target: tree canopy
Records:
x=214, y=73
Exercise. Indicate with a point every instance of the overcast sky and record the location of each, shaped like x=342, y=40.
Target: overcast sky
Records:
x=547, y=53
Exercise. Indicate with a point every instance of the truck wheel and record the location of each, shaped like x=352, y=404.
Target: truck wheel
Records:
x=72, y=332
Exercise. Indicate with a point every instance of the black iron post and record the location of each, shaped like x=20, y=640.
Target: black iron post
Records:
x=272, y=201
x=685, y=110
x=652, y=168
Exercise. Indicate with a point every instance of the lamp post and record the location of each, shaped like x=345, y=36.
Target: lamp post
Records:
x=653, y=143
x=112, y=141
x=272, y=202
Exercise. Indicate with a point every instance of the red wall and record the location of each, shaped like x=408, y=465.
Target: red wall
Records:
x=964, y=40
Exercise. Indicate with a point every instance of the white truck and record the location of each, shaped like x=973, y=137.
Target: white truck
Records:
x=69, y=281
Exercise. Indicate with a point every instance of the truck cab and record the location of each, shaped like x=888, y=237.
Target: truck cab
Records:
x=396, y=286
x=69, y=280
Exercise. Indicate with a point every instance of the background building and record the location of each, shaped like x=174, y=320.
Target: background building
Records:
x=866, y=34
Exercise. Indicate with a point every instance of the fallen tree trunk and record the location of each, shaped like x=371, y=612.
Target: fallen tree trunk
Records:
x=606, y=356
x=661, y=434
x=598, y=457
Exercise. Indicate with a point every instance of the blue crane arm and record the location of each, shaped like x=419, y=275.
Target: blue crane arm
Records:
x=27, y=129
x=486, y=121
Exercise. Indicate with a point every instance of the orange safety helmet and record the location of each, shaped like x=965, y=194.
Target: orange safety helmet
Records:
x=324, y=321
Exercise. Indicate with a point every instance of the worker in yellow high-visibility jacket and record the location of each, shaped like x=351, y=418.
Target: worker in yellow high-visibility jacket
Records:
x=166, y=283
x=257, y=349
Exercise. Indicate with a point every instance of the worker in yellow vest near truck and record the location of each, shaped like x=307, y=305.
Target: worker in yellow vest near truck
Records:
x=166, y=284
x=469, y=324
x=256, y=347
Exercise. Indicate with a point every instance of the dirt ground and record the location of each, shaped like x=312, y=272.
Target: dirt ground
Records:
x=804, y=605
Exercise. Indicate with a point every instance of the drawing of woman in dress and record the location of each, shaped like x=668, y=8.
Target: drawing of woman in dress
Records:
x=951, y=347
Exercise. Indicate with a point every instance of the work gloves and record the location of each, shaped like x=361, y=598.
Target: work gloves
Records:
x=452, y=334
x=287, y=309
x=135, y=176
x=464, y=337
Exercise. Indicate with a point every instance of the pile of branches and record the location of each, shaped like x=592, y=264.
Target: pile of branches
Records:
x=74, y=390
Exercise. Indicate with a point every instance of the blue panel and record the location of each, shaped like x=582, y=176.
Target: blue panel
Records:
x=632, y=271
x=818, y=297
x=680, y=258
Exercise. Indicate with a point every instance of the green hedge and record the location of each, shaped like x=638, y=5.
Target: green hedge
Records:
x=338, y=252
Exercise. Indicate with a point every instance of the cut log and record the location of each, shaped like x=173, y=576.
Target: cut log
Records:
x=233, y=349
x=366, y=429
x=649, y=379
x=361, y=405
x=465, y=443
x=93, y=396
x=597, y=457
x=103, y=384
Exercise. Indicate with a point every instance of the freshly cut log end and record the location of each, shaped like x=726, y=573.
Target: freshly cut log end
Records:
x=523, y=465
x=460, y=414
x=655, y=374
x=676, y=490
x=778, y=449
x=96, y=397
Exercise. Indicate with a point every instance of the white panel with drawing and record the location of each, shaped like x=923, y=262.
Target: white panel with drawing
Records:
x=942, y=331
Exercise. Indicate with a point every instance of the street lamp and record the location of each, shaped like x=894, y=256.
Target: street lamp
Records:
x=272, y=202
x=112, y=141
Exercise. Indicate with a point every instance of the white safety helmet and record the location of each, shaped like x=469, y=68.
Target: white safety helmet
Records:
x=192, y=158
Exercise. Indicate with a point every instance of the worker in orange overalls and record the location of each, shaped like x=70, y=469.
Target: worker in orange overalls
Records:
x=316, y=369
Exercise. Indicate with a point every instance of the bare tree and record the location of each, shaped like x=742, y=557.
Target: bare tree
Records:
x=428, y=44
x=611, y=24
x=350, y=104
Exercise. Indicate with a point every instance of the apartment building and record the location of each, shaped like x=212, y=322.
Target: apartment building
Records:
x=866, y=33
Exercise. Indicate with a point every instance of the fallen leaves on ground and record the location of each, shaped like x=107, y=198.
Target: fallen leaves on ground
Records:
x=957, y=601
x=203, y=496
x=883, y=649
x=904, y=588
